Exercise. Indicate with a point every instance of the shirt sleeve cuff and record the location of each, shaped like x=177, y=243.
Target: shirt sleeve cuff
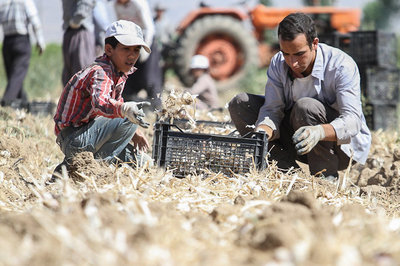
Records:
x=118, y=106
x=339, y=128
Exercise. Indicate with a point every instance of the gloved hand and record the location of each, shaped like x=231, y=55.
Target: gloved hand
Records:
x=305, y=138
x=134, y=112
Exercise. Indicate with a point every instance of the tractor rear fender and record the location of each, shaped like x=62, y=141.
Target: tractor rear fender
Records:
x=205, y=11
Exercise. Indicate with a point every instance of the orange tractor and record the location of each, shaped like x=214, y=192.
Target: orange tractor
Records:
x=233, y=46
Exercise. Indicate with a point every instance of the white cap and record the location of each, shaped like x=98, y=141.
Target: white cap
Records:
x=199, y=61
x=160, y=7
x=127, y=33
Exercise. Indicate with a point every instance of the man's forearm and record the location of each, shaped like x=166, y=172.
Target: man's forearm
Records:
x=269, y=131
x=330, y=133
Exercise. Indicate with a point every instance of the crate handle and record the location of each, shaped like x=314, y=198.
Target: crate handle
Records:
x=252, y=134
x=172, y=125
x=231, y=134
x=244, y=136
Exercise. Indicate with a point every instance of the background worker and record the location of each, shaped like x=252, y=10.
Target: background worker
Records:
x=15, y=18
x=312, y=108
x=204, y=85
x=102, y=19
x=79, y=47
x=163, y=37
x=91, y=113
x=148, y=76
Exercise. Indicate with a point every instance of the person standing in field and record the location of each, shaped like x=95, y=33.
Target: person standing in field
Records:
x=148, y=76
x=163, y=37
x=16, y=16
x=311, y=110
x=79, y=47
x=102, y=18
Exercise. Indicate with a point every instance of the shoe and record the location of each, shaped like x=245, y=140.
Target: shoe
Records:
x=15, y=104
x=57, y=173
x=331, y=178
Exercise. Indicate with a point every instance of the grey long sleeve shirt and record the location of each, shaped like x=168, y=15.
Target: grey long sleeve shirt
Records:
x=78, y=13
x=337, y=82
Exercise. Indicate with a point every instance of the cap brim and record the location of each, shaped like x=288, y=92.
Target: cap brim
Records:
x=130, y=40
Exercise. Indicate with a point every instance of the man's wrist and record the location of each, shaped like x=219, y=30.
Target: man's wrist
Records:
x=264, y=128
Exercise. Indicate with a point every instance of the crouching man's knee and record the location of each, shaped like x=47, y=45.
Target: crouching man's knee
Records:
x=308, y=112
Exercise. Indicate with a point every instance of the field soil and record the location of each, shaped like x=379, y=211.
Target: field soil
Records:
x=127, y=215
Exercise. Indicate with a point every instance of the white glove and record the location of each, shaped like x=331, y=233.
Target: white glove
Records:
x=134, y=112
x=305, y=138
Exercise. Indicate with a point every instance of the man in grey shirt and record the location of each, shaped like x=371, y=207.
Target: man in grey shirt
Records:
x=79, y=49
x=312, y=109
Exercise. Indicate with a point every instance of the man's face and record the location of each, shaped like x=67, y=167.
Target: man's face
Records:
x=122, y=2
x=123, y=57
x=298, y=54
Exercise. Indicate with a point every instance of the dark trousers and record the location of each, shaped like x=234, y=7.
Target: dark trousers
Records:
x=16, y=53
x=148, y=76
x=79, y=51
x=326, y=156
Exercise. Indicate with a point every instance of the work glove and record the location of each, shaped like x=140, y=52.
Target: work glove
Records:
x=305, y=138
x=134, y=112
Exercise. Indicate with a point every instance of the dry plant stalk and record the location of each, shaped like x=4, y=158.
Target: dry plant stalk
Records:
x=178, y=104
x=144, y=216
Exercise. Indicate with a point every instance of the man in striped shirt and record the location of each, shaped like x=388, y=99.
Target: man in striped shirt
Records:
x=91, y=113
x=16, y=17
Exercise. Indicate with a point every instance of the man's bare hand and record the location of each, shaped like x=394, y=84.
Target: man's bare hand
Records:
x=140, y=142
x=269, y=131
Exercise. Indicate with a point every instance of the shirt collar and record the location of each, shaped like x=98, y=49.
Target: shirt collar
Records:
x=106, y=60
x=318, y=68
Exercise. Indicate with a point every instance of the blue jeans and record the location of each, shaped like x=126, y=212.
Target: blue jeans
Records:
x=106, y=138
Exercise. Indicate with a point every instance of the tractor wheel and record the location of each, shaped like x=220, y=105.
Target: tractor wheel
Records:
x=230, y=47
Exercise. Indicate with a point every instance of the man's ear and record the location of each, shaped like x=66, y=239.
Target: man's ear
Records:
x=315, y=43
x=108, y=49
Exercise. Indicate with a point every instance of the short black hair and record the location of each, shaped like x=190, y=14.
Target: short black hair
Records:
x=111, y=41
x=295, y=24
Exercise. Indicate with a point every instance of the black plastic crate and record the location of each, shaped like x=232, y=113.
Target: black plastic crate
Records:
x=336, y=39
x=382, y=85
x=41, y=108
x=192, y=153
x=382, y=116
x=205, y=126
x=374, y=48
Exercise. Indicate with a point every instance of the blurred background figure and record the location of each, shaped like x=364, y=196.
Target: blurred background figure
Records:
x=204, y=85
x=101, y=19
x=163, y=37
x=16, y=16
x=79, y=40
x=148, y=77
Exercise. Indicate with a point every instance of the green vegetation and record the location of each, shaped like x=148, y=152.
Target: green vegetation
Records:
x=43, y=81
x=398, y=50
x=254, y=81
x=380, y=13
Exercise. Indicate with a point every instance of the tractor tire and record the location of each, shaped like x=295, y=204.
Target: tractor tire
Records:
x=231, y=49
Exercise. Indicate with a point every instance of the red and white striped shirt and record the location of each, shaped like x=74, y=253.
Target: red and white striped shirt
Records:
x=93, y=91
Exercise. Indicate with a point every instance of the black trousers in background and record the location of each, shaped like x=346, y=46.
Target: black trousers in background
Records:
x=148, y=76
x=16, y=53
x=79, y=51
x=244, y=109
